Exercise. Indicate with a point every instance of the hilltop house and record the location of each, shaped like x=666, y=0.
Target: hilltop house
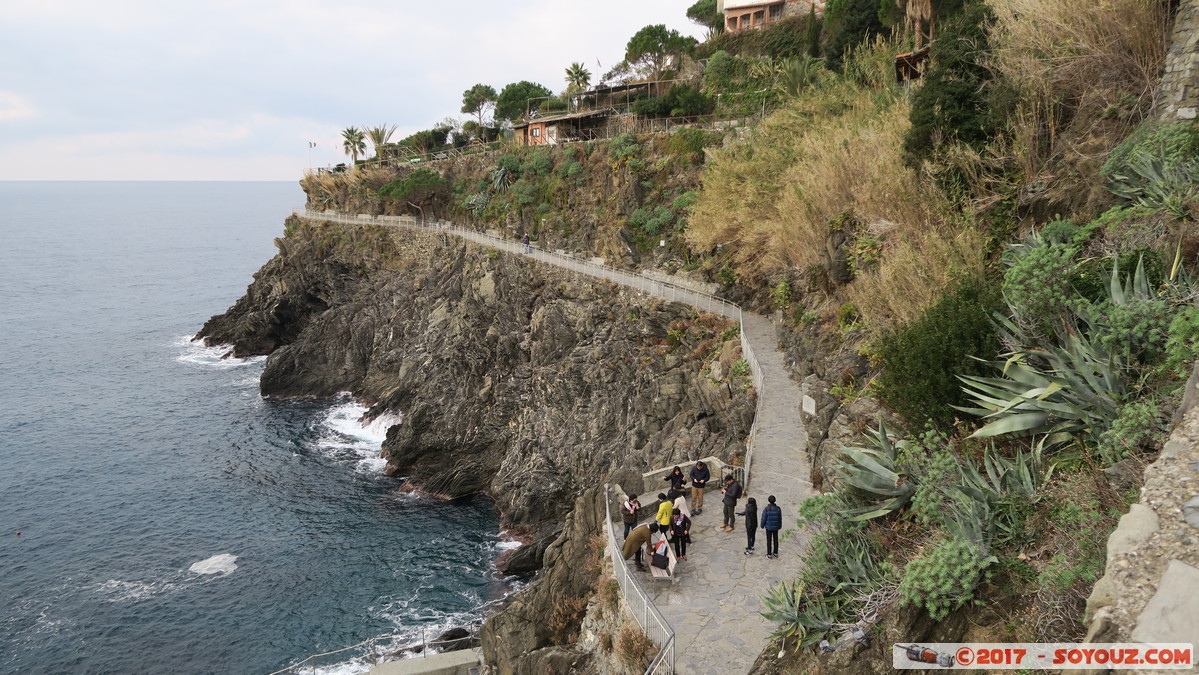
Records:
x=743, y=14
x=554, y=129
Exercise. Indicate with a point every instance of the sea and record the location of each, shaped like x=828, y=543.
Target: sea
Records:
x=157, y=515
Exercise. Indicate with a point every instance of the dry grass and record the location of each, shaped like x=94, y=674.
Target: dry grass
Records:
x=771, y=201
x=917, y=268
x=1074, y=59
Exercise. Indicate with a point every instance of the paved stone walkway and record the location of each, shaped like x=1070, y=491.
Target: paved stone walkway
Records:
x=714, y=604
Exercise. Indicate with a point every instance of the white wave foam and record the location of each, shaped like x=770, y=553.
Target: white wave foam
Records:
x=507, y=545
x=345, y=436
x=196, y=353
x=217, y=564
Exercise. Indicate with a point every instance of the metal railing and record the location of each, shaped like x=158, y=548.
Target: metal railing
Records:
x=374, y=651
x=652, y=623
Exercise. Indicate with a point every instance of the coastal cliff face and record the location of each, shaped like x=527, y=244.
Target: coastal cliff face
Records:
x=513, y=379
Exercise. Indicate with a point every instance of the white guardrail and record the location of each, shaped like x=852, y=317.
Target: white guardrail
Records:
x=652, y=623
x=640, y=604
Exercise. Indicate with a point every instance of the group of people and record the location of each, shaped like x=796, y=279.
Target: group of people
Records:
x=673, y=516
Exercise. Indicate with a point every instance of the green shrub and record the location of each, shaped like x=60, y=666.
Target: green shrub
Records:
x=1039, y=286
x=525, y=191
x=624, y=147
x=684, y=202
x=569, y=168
x=921, y=361
x=651, y=107
x=1138, y=424
x=476, y=203
x=848, y=23
x=538, y=164
x=740, y=368
x=1174, y=143
x=1182, y=343
x=781, y=39
x=781, y=293
x=956, y=102
x=945, y=579
x=418, y=186
x=652, y=222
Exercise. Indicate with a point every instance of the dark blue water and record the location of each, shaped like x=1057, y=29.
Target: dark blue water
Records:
x=129, y=454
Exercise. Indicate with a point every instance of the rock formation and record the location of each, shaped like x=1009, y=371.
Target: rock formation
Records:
x=513, y=379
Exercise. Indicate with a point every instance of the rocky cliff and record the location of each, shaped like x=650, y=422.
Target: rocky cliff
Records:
x=513, y=379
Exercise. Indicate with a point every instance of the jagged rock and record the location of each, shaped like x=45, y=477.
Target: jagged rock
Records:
x=528, y=558
x=529, y=384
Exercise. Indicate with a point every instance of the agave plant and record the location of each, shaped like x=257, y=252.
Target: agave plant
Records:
x=1062, y=392
x=1149, y=181
x=872, y=470
x=983, y=505
x=805, y=619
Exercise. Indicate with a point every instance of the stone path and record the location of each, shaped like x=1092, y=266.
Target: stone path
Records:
x=714, y=604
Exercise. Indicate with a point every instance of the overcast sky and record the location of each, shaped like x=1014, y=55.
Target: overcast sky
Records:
x=223, y=90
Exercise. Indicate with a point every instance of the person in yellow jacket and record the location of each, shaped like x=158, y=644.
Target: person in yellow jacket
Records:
x=665, y=507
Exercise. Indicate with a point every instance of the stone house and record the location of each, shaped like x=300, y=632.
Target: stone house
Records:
x=743, y=14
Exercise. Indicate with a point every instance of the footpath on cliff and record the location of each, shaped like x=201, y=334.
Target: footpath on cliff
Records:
x=714, y=604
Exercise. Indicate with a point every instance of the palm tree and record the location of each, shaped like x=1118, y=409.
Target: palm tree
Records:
x=577, y=77
x=353, y=142
x=379, y=136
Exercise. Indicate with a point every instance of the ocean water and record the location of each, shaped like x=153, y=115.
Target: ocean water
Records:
x=170, y=518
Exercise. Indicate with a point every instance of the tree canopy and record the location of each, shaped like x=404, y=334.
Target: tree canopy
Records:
x=652, y=45
x=578, y=78
x=353, y=142
x=705, y=14
x=514, y=99
x=478, y=100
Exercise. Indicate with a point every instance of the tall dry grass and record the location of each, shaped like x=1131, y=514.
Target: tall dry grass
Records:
x=771, y=199
x=1072, y=61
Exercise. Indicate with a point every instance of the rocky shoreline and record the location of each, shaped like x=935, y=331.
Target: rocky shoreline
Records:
x=525, y=383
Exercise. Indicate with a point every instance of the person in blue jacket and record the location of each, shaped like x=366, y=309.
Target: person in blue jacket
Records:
x=772, y=522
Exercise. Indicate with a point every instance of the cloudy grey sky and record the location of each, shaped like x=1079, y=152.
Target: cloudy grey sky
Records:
x=224, y=90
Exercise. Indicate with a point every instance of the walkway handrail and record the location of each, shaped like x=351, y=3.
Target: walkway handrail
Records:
x=652, y=623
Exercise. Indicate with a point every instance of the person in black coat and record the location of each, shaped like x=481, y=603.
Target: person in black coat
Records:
x=700, y=475
x=677, y=480
x=751, y=524
x=680, y=533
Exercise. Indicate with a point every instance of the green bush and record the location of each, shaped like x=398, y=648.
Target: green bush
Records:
x=652, y=222
x=848, y=23
x=1138, y=424
x=956, y=102
x=538, y=164
x=781, y=39
x=921, y=361
x=1182, y=343
x=1173, y=143
x=418, y=186
x=1039, y=286
x=569, y=169
x=624, y=147
x=945, y=579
